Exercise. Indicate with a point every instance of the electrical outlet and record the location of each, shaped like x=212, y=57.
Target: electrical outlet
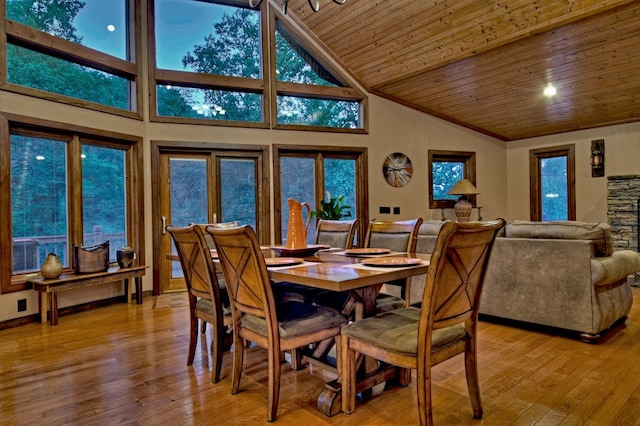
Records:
x=22, y=305
x=396, y=210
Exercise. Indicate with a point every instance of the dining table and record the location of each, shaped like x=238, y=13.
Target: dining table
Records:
x=362, y=273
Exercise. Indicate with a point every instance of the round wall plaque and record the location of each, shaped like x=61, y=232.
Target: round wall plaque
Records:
x=397, y=169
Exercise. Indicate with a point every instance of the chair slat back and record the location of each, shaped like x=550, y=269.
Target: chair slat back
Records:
x=398, y=236
x=456, y=273
x=245, y=272
x=195, y=259
x=336, y=233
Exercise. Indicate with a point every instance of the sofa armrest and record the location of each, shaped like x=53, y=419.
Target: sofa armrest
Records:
x=607, y=270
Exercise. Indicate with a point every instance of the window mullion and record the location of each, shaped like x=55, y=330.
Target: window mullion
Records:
x=74, y=185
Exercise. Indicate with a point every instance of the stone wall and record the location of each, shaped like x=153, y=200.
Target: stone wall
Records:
x=623, y=193
x=622, y=211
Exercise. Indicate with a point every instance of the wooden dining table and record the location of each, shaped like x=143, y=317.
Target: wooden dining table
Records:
x=334, y=270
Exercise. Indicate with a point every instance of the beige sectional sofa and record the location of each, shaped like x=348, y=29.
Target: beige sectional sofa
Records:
x=561, y=274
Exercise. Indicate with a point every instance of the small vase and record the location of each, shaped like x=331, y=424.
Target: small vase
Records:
x=52, y=267
x=125, y=257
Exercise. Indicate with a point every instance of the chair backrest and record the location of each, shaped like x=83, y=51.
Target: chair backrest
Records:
x=336, y=233
x=207, y=237
x=455, y=277
x=394, y=235
x=246, y=274
x=197, y=264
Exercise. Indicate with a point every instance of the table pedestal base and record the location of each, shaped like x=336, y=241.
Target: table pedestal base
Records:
x=330, y=399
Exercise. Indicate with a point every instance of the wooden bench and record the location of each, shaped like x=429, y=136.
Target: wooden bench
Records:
x=49, y=288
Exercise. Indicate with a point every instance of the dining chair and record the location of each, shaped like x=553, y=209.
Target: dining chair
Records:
x=336, y=233
x=400, y=236
x=445, y=325
x=209, y=240
x=207, y=300
x=257, y=317
x=333, y=233
x=231, y=224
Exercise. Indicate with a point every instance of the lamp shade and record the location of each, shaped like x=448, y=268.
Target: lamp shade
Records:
x=463, y=187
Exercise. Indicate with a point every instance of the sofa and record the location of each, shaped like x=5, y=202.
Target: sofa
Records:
x=560, y=274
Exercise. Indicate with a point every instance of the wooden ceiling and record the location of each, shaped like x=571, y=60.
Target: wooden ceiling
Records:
x=484, y=64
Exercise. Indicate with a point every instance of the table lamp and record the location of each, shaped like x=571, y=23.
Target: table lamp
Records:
x=463, y=207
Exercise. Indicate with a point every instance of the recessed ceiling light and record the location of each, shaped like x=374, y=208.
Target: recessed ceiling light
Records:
x=111, y=27
x=550, y=90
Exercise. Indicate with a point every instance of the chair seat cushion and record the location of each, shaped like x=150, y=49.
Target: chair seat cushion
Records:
x=388, y=302
x=205, y=305
x=398, y=331
x=297, y=319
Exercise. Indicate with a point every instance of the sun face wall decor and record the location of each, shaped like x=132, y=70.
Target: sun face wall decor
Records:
x=397, y=169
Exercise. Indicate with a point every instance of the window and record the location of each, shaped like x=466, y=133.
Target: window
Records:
x=50, y=211
x=216, y=71
x=81, y=50
x=445, y=169
x=552, y=183
x=208, y=61
x=310, y=174
x=298, y=101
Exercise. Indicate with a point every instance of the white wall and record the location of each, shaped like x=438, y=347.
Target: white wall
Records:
x=621, y=158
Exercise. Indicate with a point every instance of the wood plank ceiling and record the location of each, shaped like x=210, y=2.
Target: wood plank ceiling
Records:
x=484, y=64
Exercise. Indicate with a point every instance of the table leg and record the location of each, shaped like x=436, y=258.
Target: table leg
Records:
x=53, y=308
x=43, y=305
x=138, y=290
x=329, y=401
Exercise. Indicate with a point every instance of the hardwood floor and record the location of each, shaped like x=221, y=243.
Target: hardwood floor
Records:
x=126, y=364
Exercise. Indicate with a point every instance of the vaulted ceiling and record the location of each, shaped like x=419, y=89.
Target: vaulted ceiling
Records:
x=484, y=64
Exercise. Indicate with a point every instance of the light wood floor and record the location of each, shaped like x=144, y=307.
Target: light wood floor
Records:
x=126, y=364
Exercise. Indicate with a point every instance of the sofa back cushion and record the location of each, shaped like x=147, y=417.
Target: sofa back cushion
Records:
x=599, y=233
x=427, y=235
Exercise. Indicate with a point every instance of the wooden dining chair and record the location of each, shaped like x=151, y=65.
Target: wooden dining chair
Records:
x=257, y=318
x=444, y=326
x=207, y=301
x=336, y=233
x=209, y=240
x=401, y=236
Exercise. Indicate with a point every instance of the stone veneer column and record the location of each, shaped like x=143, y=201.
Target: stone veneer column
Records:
x=622, y=213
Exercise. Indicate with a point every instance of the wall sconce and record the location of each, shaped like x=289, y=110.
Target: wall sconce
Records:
x=597, y=158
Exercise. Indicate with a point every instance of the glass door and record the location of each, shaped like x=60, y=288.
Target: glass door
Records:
x=203, y=187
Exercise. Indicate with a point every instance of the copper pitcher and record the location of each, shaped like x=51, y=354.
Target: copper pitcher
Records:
x=297, y=230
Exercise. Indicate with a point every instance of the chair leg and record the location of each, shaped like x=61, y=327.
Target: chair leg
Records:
x=238, y=354
x=471, y=368
x=274, y=383
x=193, y=339
x=217, y=349
x=405, y=293
x=348, y=379
x=424, y=395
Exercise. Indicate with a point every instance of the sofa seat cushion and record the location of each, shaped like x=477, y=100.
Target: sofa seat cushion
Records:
x=598, y=233
x=608, y=270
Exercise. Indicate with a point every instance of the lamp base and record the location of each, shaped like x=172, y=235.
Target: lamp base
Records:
x=463, y=209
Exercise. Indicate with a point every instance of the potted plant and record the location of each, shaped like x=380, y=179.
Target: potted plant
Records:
x=332, y=208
